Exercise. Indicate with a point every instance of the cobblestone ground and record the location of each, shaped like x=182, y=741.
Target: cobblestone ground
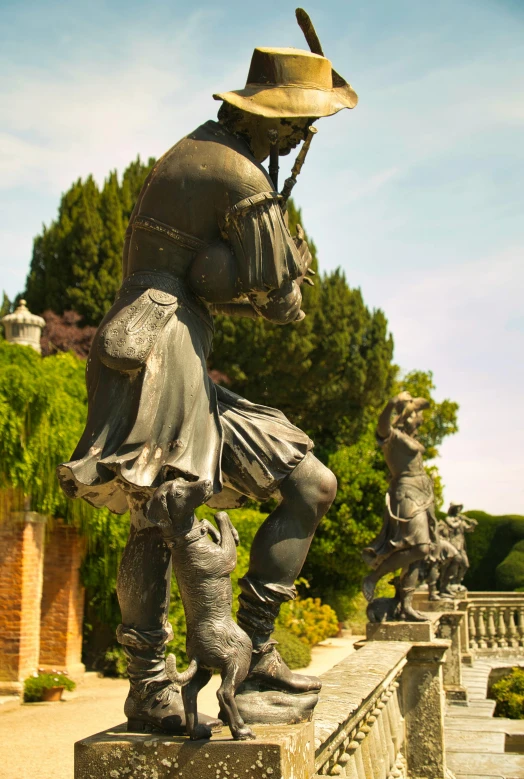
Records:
x=36, y=740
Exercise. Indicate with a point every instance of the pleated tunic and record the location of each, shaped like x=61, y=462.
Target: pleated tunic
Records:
x=409, y=517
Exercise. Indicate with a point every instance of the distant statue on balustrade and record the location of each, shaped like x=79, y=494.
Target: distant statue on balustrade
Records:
x=408, y=537
x=453, y=529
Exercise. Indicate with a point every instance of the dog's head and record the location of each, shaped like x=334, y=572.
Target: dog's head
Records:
x=175, y=501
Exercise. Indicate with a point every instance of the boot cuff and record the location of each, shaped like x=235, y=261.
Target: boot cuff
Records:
x=144, y=639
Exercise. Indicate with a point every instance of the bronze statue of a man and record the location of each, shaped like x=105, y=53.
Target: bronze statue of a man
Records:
x=207, y=235
x=409, y=533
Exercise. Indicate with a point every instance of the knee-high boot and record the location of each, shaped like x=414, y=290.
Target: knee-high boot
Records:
x=143, y=586
x=258, y=610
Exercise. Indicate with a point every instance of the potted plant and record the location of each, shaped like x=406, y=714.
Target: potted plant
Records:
x=47, y=685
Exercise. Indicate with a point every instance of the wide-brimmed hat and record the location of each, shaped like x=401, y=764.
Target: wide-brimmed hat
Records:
x=291, y=83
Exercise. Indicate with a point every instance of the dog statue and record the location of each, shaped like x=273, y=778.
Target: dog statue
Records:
x=385, y=609
x=202, y=568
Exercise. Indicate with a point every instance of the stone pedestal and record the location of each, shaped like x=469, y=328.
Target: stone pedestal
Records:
x=279, y=752
x=423, y=710
x=403, y=631
x=21, y=566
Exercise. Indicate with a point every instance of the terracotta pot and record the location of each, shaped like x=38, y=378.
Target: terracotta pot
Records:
x=52, y=694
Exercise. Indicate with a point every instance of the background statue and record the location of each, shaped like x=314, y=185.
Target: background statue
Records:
x=437, y=573
x=208, y=235
x=409, y=533
x=453, y=528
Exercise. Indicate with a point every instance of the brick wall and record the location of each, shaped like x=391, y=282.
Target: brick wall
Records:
x=62, y=601
x=21, y=567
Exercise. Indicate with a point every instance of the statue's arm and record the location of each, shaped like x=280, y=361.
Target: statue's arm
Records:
x=234, y=309
x=397, y=403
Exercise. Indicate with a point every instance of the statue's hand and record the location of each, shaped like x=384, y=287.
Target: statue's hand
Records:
x=401, y=399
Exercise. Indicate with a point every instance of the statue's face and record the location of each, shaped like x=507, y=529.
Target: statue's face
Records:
x=413, y=422
x=292, y=132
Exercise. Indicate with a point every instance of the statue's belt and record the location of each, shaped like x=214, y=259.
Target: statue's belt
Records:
x=178, y=237
x=419, y=509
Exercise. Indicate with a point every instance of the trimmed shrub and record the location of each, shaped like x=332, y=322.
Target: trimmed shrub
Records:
x=508, y=692
x=295, y=653
x=509, y=574
x=489, y=546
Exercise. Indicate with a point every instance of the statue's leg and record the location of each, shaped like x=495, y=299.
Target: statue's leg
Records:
x=143, y=588
x=277, y=556
x=408, y=583
x=401, y=559
x=432, y=580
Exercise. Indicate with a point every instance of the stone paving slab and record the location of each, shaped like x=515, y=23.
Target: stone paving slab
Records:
x=471, y=740
x=485, y=724
x=475, y=709
x=479, y=776
x=470, y=764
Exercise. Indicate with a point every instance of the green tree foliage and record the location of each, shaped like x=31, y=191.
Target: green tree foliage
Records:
x=43, y=406
x=5, y=308
x=76, y=263
x=334, y=567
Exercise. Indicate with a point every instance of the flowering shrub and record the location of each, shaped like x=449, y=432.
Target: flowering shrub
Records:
x=509, y=694
x=308, y=619
x=35, y=684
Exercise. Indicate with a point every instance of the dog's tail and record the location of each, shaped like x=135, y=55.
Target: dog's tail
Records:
x=180, y=678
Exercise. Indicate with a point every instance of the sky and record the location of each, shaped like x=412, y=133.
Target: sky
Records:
x=417, y=193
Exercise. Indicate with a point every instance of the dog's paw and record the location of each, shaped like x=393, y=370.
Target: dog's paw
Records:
x=199, y=732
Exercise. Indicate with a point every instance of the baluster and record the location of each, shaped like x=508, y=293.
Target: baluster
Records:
x=501, y=633
x=472, y=613
x=398, y=719
x=388, y=730
x=482, y=644
x=492, y=630
x=382, y=744
x=359, y=762
x=347, y=759
x=512, y=628
x=374, y=746
x=367, y=757
x=520, y=625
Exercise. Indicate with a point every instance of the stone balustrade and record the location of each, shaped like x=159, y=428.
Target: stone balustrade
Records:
x=495, y=621
x=359, y=727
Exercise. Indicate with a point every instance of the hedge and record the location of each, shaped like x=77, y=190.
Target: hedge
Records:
x=489, y=546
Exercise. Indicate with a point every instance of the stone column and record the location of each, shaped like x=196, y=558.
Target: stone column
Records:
x=21, y=564
x=62, y=602
x=423, y=709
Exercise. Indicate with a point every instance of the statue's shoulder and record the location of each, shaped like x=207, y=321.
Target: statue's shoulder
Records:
x=218, y=157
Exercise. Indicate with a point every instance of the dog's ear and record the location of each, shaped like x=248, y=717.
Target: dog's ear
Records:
x=156, y=510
